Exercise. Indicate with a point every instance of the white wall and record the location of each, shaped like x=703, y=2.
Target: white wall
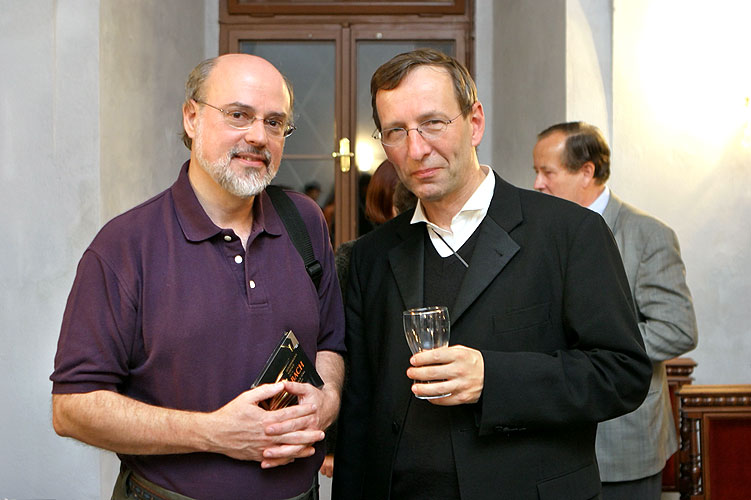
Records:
x=89, y=124
x=589, y=75
x=681, y=76
x=49, y=197
x=529, y=73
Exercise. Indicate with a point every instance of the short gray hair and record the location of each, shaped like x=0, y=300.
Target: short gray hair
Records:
x=195, y=89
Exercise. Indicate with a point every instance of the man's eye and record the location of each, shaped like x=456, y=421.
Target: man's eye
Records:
x=272, y=123
x=391, y=133
x=433, y=124
x=238, y=115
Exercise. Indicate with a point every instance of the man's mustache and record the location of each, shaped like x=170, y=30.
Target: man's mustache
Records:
x=265, y=154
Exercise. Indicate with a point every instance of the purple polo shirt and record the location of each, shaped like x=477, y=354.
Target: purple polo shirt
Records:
x=169, y=309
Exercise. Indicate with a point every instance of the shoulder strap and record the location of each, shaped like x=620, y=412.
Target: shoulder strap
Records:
x=297, y=231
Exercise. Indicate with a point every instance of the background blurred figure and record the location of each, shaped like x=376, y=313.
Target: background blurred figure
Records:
x=572, y=161
x=379, y=200
x=313, y=189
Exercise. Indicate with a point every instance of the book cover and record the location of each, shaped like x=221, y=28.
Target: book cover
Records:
x=288, y=361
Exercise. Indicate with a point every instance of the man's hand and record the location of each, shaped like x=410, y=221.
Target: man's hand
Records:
x=458, y=370
x=327, y=467
x=243, y=430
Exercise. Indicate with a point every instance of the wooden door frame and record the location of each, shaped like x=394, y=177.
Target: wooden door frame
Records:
x=383, y=23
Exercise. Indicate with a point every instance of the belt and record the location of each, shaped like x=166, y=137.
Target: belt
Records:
x=142, y=489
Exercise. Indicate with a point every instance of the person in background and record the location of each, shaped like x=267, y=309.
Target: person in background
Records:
x=572, y=161
x=387, y=197
x=544, y=343
x=312, y=189
x=178, y=303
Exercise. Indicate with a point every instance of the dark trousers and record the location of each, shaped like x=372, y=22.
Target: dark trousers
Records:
x=648, y=488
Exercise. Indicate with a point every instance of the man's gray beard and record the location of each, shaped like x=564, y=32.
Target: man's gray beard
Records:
x=247, y=185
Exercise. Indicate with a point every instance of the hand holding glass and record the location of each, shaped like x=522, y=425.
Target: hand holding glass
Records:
x=427, y=328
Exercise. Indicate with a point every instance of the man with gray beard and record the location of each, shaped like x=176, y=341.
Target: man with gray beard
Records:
x=178, y=303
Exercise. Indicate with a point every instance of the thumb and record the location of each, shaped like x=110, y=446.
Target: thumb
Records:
x=265, y=391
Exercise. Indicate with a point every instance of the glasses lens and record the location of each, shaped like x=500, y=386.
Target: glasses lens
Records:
x=238, y=119
x=433, y=127
x=393, y=136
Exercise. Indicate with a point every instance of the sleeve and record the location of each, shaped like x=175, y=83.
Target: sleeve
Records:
x=97, y=331
x=602, y=373
x=663, y=300
x=356, y=397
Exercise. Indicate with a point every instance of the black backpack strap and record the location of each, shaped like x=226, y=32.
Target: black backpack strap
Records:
x=297, y=231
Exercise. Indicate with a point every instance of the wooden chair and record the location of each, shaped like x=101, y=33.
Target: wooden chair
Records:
x=715, y=453
x=679, y=372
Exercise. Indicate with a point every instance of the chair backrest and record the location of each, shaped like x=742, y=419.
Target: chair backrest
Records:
x=715, y=456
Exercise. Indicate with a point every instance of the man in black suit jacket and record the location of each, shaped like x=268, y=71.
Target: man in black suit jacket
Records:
x=544, y=343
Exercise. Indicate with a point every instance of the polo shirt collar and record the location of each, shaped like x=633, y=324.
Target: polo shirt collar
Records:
x=198, y=226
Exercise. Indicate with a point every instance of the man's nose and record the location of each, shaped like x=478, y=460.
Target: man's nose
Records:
x=539, y=185
x=256, y=133
x=417, y=146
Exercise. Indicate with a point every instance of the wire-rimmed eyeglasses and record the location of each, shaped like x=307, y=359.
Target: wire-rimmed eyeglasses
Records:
x=239, y=119
x=429, y=129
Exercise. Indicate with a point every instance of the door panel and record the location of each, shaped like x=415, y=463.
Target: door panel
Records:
x=330, y=67
x=311, y=67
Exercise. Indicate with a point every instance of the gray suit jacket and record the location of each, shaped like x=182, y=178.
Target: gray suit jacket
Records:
x=638, y=444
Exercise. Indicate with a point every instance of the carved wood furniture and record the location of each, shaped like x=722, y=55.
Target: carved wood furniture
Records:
x=715, y=452
x=679, y=372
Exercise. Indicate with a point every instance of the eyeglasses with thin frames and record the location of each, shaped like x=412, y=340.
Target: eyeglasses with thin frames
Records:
x=239, y=119
x=429, y=130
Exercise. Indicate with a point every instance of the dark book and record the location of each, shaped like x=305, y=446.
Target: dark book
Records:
x=287, y=362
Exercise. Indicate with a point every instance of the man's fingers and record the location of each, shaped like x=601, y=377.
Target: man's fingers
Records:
x=289, y=451
x=291, y=425
x=265, y=391
x=298, y=389
x=439, y=355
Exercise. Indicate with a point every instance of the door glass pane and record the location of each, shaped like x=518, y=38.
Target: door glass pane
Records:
x=370, y=55
x=310, y=66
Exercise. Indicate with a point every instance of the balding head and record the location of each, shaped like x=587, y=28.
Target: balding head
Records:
x=233, y=66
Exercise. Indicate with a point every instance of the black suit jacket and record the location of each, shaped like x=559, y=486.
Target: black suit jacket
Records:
x=546, y=301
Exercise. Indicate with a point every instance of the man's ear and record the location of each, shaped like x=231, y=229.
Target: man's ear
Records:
x=477, y=119
x=587, y=171
x=190, y=118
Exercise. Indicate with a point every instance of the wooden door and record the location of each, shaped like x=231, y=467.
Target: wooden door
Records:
x=330, y=65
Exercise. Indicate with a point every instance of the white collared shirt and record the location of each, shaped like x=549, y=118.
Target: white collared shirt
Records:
x=601, y=202
x=464, y=224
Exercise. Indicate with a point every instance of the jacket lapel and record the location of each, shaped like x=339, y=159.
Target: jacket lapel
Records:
x=407, y=264
x=610, y=214
x=494, y=248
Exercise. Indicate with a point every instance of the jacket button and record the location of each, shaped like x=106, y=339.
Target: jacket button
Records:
x=395, y=427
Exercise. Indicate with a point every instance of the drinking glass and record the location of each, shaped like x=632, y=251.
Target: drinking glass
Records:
x=427, y=328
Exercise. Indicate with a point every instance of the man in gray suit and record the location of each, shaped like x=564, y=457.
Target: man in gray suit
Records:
x=572, y=161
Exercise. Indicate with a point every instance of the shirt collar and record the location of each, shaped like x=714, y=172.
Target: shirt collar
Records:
x=601, y=202
x=198, y=226
x=475, y=207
